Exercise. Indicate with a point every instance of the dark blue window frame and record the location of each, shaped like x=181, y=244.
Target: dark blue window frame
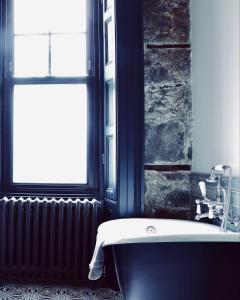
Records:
x=129, y=192
x=94, y=170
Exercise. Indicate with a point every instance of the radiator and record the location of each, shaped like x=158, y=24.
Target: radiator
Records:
x=47, y=238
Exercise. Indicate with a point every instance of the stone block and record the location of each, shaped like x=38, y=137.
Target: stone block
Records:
x=167, y=67
x=168, y=143
x=167, y=194
x=166, y=21
x=168, y=108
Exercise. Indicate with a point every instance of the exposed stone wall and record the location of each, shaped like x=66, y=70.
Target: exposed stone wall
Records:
x=168, y=106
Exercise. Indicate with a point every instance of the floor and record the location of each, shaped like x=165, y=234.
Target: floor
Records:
x=37, y=292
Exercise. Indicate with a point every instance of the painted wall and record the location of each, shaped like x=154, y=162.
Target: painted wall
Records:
x=215, y=83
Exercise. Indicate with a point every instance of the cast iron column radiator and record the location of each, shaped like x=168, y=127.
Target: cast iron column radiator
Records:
x=47, y=239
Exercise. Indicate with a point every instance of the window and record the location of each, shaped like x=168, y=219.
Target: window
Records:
x=51, y=128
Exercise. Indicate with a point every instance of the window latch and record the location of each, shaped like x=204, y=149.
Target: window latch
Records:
x=10, y=68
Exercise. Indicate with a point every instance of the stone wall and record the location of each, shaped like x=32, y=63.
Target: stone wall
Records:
x=168, y=107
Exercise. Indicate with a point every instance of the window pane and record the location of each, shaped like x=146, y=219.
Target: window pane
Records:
x=50, y=134
x=68, y=16
x=68, y=55
x=31, y=56
x=109, y=41
x=31, y=16
x=42, y=16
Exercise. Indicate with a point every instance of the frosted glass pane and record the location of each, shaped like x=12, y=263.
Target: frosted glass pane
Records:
x=31, y=16
x=31, y=56
x=68, y=55
x=68, y=16
x=50, y=134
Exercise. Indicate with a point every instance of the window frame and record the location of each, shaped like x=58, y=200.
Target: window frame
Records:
x=92, y=80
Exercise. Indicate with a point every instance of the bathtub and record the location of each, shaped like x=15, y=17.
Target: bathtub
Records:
x=159, y=259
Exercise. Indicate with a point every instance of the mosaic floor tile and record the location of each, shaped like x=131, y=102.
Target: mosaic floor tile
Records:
x=37, y=292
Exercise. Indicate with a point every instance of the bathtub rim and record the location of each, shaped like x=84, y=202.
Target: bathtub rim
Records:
x=120, y=237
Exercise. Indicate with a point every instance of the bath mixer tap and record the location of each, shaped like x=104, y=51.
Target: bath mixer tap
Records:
x=201, y=216
x=219, y=207
x=211, y=204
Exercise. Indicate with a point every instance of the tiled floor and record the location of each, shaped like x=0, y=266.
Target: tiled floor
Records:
x=37, y=292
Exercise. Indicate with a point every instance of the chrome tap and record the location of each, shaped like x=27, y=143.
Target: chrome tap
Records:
x=205, y=201
x=201, y=216
x=218, y=208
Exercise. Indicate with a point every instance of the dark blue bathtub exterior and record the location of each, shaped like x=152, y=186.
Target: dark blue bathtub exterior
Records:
x=178, y=271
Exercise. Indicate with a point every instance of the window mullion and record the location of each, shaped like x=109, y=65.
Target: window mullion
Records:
x=52, y=80
x=49, y=53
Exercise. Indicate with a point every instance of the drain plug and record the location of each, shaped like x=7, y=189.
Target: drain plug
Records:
x=151, y=230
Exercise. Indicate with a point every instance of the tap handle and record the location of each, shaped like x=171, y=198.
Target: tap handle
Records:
x=198, y=207
x=236, y=222
x=202, y=186
x=210, y=212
